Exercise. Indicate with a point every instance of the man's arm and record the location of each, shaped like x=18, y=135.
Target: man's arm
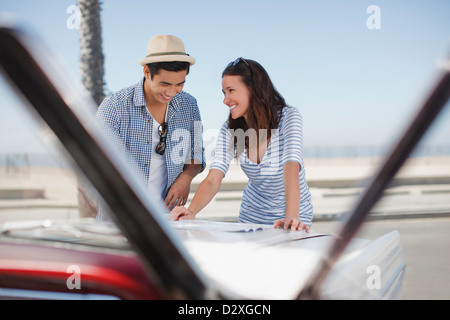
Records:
x=179, y=191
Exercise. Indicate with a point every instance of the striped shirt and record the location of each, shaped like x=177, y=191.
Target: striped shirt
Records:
x=264, y=199
x=125, y=117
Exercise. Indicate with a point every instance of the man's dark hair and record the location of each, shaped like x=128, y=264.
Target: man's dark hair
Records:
x=169, y=66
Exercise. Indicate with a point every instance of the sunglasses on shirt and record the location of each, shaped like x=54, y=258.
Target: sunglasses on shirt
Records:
x=162, y=131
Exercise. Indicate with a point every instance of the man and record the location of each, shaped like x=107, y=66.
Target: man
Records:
x=157, y=125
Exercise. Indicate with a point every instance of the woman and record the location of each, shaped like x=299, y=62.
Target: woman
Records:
x=266, y=137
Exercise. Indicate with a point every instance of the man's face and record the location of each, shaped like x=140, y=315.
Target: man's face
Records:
x=164, y=85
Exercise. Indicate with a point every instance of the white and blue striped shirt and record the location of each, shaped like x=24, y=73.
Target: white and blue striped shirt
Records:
x=264, y=199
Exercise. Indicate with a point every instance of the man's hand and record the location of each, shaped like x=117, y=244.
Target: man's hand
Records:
x=178, y=192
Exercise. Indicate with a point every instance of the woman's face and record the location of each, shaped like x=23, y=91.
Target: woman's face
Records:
x=237, y=96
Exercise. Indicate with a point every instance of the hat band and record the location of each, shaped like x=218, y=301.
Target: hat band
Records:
x=173, y=53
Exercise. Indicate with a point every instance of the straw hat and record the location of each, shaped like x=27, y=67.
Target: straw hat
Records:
x=166, y=48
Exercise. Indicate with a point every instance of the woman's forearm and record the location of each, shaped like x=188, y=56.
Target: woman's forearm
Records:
x=292, y=188
x=206, y=191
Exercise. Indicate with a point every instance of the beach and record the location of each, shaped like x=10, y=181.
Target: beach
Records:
x=417, y=204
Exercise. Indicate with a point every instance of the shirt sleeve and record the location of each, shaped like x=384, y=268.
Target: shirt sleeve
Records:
x=197, y=148
x=293, y=137
x=224, y=151
x=109, y=121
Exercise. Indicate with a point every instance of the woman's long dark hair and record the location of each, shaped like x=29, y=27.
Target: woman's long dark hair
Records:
x=266, y=103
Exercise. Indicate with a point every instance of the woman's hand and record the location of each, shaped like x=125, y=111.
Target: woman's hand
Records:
x=181, y=213
x=291, y=223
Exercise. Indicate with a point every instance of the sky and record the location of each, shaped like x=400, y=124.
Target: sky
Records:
x=356, y=75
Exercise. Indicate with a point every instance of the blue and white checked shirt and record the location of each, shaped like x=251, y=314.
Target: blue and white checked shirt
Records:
x=124, y=114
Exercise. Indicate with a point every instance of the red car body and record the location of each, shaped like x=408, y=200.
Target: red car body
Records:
x=114, y=274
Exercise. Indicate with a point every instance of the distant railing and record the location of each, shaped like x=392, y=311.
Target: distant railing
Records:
x=14, y=161
x=370, y=151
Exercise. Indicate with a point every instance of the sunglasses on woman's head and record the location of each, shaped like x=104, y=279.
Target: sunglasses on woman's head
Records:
x=162, y=131
x=235, y=62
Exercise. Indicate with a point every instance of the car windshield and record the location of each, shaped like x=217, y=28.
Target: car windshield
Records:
x=39, y=187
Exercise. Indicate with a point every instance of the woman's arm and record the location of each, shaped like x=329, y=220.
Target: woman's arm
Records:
x=204, y=194
x=292, y=192
x=291, y=188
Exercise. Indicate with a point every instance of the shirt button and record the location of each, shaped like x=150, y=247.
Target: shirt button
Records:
x=148, y=142
x=145, y=165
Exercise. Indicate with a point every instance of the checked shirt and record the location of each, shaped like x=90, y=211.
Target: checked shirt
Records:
x=126, y=118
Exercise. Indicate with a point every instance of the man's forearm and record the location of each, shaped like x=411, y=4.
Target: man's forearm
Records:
x=191, y=169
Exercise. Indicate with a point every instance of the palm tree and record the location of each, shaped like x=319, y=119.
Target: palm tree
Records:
x=91, y=64
x=91, y=69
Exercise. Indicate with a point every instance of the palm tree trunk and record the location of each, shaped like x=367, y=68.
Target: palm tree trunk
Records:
x=91, y=69
x=91, y=64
